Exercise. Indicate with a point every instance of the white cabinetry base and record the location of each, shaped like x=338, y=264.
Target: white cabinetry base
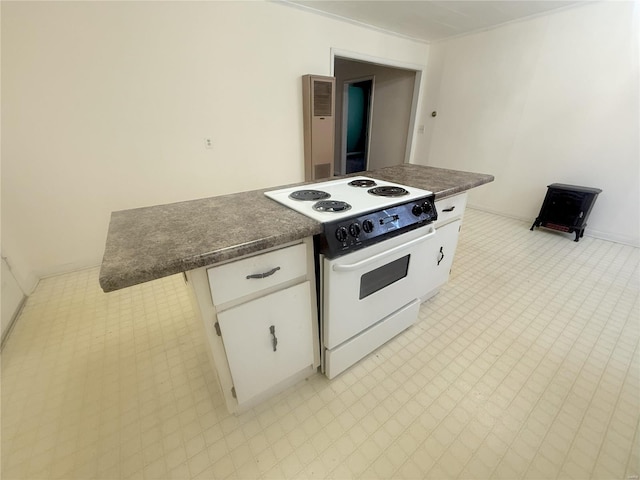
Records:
x=238, y=331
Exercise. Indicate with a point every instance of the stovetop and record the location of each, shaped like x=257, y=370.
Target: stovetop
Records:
x=358, y=211
x=330, y=197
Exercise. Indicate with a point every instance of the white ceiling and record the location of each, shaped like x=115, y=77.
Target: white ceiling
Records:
x=430, y=20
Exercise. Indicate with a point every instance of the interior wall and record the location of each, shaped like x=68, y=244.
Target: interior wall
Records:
x=393, y=96
x=106, y=106
x=551, y=99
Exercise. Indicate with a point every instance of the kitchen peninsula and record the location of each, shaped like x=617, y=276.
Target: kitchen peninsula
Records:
x=147, y=243
x=257, y=283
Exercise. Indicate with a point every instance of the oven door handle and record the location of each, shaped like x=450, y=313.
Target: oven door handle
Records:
x=366, y=261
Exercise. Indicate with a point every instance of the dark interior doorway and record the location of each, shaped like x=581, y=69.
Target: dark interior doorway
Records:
x=358, y=124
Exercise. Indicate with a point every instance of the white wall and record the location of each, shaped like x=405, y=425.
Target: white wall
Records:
x=106, y=106
x=551, y=99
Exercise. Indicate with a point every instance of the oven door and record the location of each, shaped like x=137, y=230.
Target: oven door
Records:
x=362, y=288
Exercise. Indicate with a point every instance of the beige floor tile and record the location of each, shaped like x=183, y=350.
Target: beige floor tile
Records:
x=525, y=365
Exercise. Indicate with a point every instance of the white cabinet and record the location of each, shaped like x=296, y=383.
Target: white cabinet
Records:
x=443, y=246
x=267, y=340
x=260, y=319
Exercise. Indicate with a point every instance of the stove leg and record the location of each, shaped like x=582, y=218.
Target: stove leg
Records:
x=579, y=233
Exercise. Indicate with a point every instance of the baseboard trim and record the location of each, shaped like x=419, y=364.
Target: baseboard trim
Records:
x=14, y=319
x=611, y=237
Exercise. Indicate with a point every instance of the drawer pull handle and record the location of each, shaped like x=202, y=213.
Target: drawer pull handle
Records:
x=263, y=275
x=450, y=209
x=441, y=256
x=274, y=339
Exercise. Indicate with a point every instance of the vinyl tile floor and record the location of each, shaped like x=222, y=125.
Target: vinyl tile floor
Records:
x=525, y=365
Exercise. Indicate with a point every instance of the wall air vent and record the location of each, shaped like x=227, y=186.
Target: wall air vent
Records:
x=318, y=105
x=322, y=171
x=322, y=99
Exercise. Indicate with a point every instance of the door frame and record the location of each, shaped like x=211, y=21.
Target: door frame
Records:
x=345, y=113
x=420, y=71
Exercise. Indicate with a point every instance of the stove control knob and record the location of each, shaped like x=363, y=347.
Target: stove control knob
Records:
x=367, y=226
x=427, y=207
x=416, y=210
x=341, y=234
x=354, y=229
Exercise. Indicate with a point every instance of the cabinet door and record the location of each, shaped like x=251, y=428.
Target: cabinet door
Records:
x=442, y=250
x=249, y=332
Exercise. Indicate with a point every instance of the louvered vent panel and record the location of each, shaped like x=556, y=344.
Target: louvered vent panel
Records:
x=322, y=171
x=322, y=99
x=319, y=125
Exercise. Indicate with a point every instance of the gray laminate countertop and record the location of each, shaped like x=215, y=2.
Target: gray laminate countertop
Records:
x=147, y=243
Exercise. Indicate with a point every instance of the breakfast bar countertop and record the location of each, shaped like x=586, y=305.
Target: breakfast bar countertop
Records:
x=147, y=243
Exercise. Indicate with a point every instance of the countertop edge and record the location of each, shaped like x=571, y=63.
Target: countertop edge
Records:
x=113, y=281
x=455, y=190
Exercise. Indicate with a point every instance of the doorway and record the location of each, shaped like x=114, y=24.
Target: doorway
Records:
x=357, y=103
x=394, y=95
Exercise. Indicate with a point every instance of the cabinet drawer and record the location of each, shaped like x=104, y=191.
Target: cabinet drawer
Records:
x=248, y=334
x=250, y=275
x=450, y=208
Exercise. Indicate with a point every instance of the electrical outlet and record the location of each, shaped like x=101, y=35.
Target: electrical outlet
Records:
x=208, y=143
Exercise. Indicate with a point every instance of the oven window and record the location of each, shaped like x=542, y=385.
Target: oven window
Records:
x=383, y=276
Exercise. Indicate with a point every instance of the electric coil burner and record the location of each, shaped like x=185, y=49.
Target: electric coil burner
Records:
x=309, y=195
x=363, y=183
x=331, y=206
x=389, y=191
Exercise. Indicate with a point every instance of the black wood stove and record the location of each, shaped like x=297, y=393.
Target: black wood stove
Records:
x=566, y=208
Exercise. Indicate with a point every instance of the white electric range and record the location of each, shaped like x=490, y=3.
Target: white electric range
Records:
x=371, y=260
